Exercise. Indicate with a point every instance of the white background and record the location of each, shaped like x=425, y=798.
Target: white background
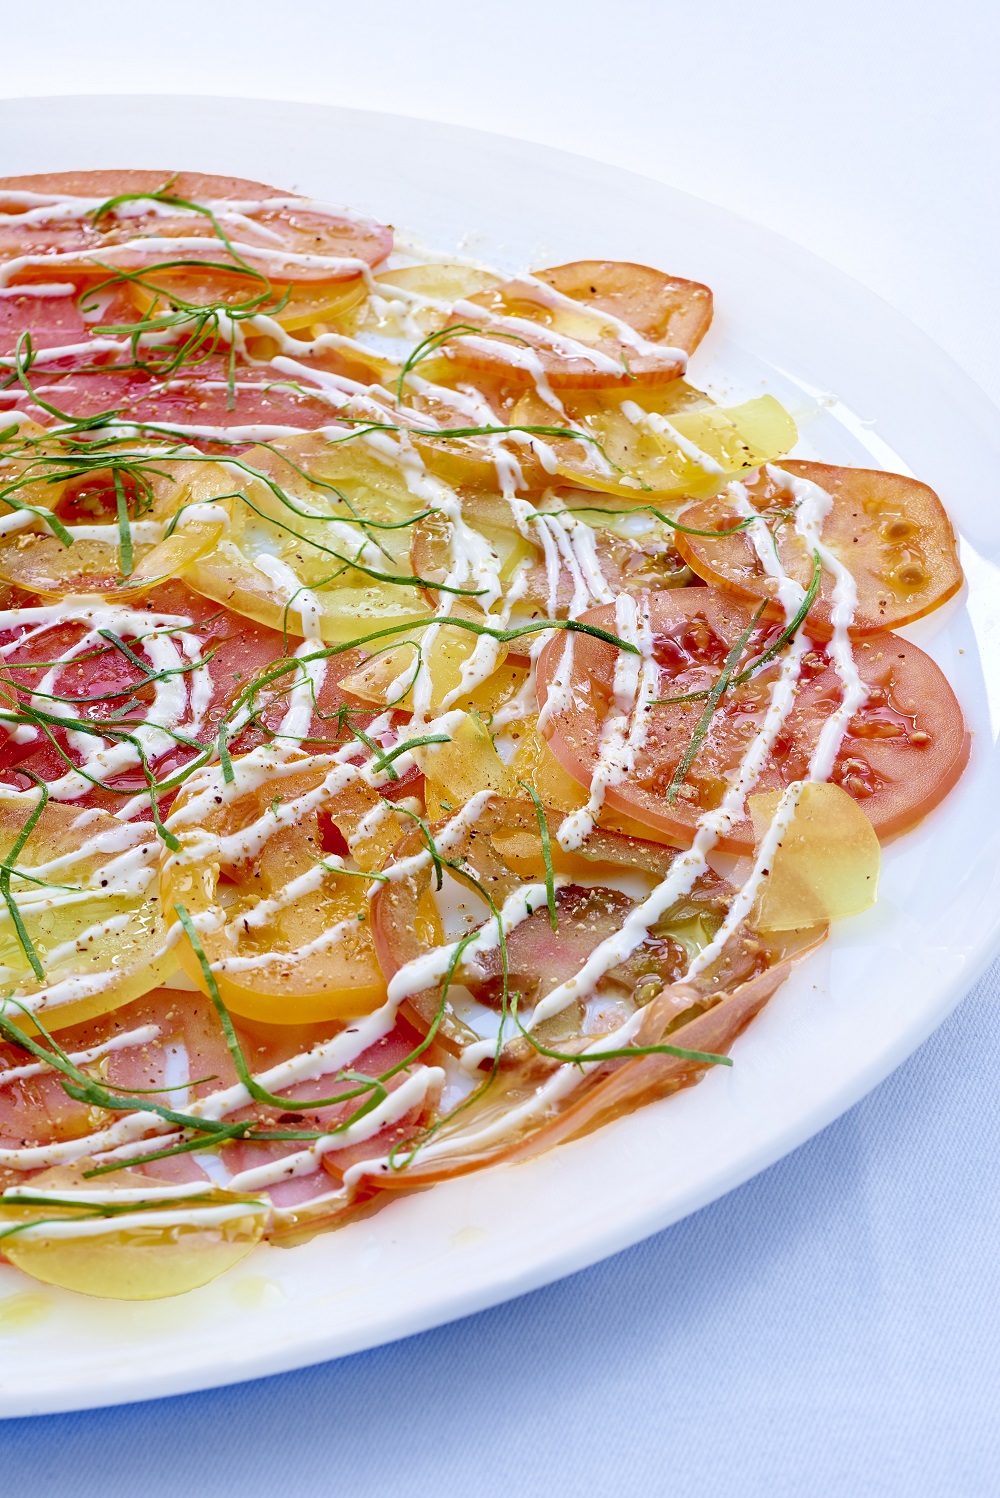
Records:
x=867, y=131
x=870, y=133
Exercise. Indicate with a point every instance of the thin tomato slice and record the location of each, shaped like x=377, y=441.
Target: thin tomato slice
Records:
x=891, y=532
x=578, y=541
x=286, y=934
x=293, y=307
x=902, y=753
x=279, y=234
x=531, y=1107
x=195, y=401
x=90, y=934
x=51, y=316
x=579, y=310
x=163, y=670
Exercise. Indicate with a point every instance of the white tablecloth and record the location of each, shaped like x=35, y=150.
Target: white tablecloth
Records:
x=831, y=1328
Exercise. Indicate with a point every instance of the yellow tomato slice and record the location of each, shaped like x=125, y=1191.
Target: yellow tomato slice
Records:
x=88, y=909
x=314, y=524
x=157, y=496
x=294, y=307
x=286, y=935
x=826, y=865
x=415, y=300
x=491, y=460
x=136, y=1239
x=454, y=772
x=433, y=668
x=491, y=517
x=632, y=449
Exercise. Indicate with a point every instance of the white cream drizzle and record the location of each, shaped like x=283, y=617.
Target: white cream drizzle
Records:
x=128, y=1040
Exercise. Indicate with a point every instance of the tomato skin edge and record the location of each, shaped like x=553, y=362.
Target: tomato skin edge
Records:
x=940, y=701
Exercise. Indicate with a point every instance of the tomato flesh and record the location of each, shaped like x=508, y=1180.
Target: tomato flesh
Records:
x=670, y=314
x=112, y=687
x=504, y=848
x=891, y=532
x=301, y=231
x=903, y=751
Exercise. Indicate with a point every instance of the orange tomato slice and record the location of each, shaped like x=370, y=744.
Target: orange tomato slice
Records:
x=286, y=935
x=578, y=310
x=891, y=533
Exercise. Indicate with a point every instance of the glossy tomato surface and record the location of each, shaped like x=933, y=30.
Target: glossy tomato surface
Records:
x=890, y=532
x=902, y=752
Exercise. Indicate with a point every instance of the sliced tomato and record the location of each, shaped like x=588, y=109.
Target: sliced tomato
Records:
x=196, y=399
x=105, y=679
x=293, y=307
x=288, y=936
x=161, y=1038
x=891, y=533
x=263, y=224
x=683, y=1015
x=504, y=849
x=487, y=461
x=584, y=349
x=902, y=752
x=90, y=934
x=173, y=1039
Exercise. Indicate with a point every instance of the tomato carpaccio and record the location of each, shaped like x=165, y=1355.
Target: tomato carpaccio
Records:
x=66, y=297
x=50, y=315
x=99, y=661
x=197, y=402
x=670, y=315
x=504, y=848
x=890, y=532
x=903, y=750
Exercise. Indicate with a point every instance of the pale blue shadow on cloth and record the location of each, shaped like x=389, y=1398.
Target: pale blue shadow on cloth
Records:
x=829, y=1329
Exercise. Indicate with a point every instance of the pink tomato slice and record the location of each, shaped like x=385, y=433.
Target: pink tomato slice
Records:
x=280, y=234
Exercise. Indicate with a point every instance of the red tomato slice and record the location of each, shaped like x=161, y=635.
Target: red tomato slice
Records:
x=903, y=751
x=891, y=532
x=116, y=687
x=338, y=718
x=239, y=648
x=668, y=313
x=137, y=1046
x=304, y=231
x=171, y=1035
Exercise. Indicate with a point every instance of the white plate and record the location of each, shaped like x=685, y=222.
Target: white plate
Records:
x=867, y=388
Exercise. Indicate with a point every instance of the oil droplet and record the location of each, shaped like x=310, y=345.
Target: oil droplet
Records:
x=467, y=1236
x=254, y=1292
x=20, y=1311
